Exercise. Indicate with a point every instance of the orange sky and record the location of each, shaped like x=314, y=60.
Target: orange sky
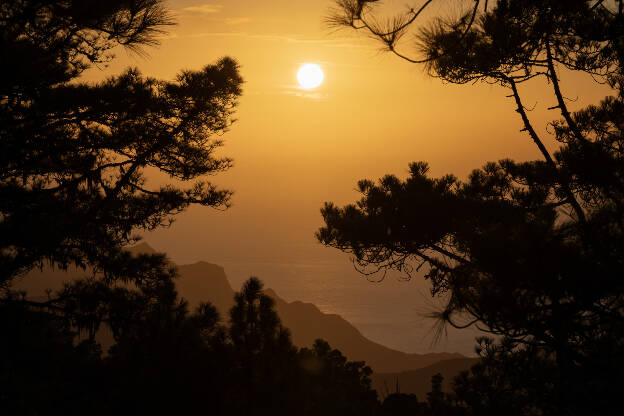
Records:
x=293, y=150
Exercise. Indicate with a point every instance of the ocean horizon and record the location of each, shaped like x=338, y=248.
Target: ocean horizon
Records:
x=391, y=312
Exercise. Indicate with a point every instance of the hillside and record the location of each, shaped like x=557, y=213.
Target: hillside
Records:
x=308, y=323
x=418, y=381
x=204, y=281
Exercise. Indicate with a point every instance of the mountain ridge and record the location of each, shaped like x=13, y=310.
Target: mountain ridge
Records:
x=308, y=323
x=207, y=282
x=305, y=321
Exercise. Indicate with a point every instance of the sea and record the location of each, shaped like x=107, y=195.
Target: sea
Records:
x=390, y=310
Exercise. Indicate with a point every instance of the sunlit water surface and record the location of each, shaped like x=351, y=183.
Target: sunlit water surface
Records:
x=391, y=312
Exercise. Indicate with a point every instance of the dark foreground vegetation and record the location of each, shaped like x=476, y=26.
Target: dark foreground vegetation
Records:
x=168, y=360
x=532, y=252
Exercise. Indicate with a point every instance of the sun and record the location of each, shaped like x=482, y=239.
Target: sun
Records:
x=310, y=76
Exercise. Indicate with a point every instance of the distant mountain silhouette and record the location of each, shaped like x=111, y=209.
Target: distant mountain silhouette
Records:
x=141, y=248
x=418, y=381
x=204, y=281
x=308, y=323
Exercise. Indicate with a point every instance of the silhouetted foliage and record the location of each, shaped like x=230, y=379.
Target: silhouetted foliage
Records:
x=333, y=385
x=73, y=157
x=498, y=383
x=73, y=154
x=264, y=359
x=528, y=251
x=399, y=404
x=438, y=403
x=42, y=369
x=166, y=360
x=274, y=377
x=73, y=191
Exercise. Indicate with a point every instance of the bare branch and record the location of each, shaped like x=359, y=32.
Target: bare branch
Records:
x=561, y=102
x=529, y=128
x=352, y=13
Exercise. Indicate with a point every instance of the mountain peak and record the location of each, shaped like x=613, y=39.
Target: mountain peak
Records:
x=141, y=248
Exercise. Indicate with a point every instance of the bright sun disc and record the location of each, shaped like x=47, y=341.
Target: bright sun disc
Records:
x=310, y=76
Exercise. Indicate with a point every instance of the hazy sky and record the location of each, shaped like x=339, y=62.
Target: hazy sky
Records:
x=294, y=149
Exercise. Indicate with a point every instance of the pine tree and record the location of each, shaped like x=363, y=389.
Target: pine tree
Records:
x=531, y=251
x=74, y=155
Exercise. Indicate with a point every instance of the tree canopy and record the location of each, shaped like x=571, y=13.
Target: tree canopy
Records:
x=167, y=358
x=74, y=155
x=75, y=158
x=529, y=251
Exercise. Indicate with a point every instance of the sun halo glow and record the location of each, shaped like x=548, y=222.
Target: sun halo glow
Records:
x=310, y=76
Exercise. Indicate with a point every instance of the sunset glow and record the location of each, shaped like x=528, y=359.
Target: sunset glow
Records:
x=299, y=141
x=194, y=219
